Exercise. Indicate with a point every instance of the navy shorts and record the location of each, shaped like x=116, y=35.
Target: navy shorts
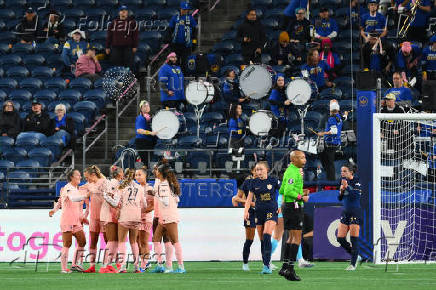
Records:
x=251, y=223
x=264, y=214
x=351, y=217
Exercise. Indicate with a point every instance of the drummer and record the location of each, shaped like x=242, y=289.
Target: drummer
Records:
x=236, y=126
x=231, y=88
x=279, y=103
x=172, y=92
x=145, y=138
x=315, y=69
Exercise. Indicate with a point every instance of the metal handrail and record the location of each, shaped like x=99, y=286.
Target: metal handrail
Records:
x=118, y=114
x=84, y=137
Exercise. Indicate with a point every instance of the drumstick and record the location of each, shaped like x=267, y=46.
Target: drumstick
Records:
x=313, y=131
x=161, y=129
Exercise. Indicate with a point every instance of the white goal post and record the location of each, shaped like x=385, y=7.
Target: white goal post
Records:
x=404, y=188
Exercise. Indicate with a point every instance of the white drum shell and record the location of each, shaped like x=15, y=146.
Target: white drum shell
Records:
x=166, y=123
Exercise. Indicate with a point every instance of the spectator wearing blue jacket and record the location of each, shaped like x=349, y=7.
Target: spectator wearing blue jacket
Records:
x=429, y=60
x=145, y=137
x=417, y=30
x=315, y=70
x=279, y=103
x=372, y=22
x=408, y=61
x=325, y=27
x=172, y=92
x=182, y=28
x=236, y=126
x=231, y=88
x=74, y=47
x=289, y=12
x=402, y=93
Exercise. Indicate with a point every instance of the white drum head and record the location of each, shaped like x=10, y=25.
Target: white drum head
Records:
x=210, y=92
x=299, y=92
x=166, y=124
x=260, y=123
x=255, y=82
x=196, y=93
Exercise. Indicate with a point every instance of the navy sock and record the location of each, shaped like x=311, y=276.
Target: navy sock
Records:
x=286, y=256
x=344, y=244
x=261, y=247
x=266, y=255
x=354, y=250
x=246, y=251
x=293, y=255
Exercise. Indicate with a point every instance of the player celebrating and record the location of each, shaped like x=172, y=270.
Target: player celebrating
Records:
x=71, y=200
x=350, y=191
x=95, y=187
x=146, y=218
x=292, y=208
x=167, y=191
x=250, y=225
x=263, y=188
x=109, y=217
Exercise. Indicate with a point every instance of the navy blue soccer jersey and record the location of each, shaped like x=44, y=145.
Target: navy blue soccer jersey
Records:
x=265, y=191
x=352, y=194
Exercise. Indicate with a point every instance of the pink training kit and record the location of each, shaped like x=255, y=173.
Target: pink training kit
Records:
x=108, y=214
x=167, y=202
x=132, y=202
x=72, y=211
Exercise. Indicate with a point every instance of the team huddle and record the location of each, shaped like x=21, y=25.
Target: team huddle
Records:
x=123, y=207
x=120, y=207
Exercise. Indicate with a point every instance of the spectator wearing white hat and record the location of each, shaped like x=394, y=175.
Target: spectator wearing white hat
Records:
x=74, y=47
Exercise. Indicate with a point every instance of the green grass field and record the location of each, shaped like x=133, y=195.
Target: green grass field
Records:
x=223, y=276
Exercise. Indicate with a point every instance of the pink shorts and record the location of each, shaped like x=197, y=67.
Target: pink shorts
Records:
x=146, y=226
x=96, y=226
x=71, y=228
x=130, y=225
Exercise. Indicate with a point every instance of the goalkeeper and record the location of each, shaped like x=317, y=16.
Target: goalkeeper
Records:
x=292, y=209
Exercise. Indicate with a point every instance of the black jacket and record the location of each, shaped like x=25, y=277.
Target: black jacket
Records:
x=28, y=29
x=57, y=31
x=39, y=123
x=397, y=109
x=299, y=30
x=253, y=30
x=10, y=123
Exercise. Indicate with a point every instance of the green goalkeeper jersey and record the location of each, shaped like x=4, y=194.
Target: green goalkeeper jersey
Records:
x=292, y=184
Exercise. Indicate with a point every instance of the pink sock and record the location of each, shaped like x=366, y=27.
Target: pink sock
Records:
x=78, y=254
x=179, y=255
x=158, y=251
x=108, y=253
x=92, y=254
x=135, y=250
x=169, y=254
x=122, y=253
x=64, y=258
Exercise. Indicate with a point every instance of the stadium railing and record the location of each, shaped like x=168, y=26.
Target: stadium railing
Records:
x=85, y=137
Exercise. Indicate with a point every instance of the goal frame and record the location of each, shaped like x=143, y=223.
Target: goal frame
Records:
x=376, y=161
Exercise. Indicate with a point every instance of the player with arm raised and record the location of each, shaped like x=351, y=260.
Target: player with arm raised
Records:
x=350, y=192
x=292, y=208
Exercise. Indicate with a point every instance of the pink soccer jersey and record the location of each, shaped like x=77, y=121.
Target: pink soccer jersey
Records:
x=96, y=191
x=148, y=217
x=132, y=203
x=72, y=205
x=168, y=201
x=108, y=213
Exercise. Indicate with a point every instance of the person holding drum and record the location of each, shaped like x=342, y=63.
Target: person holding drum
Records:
x=279, y=103
x=236, y=126
x=145, y=137
x=171, y=79
x=231, y=88
x=251, y=34
x=315, y=69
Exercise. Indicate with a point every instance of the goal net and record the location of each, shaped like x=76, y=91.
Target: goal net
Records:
x=404, y=176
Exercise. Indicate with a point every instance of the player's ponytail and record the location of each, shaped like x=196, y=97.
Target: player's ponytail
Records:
x=94, y=169
x=129, y=177
x=168, y=174
x=115, y=171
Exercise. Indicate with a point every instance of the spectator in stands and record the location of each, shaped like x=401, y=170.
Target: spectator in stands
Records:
x=372, y=22
x=63, y=125
x=171, y=80
x=290, y=11
x=332, y=140
x=10, y=121
x=408, y=62
x=391, y=129
x=378, y=54
x=53, y=29
x=122, y=39
x=74, y=48
x=429, y=60
x=390, y=105
x=299, y=31
x=357, y=8
x=330, y=58
x=282, y=52
x=325, y=27
x=182, y=33
x=145, y=137
x=251, y=34
x=316, y=69
x=28, y=26
x=236, y=126
x=231, y=88
x=38, y=121
x=279, y=103
x=87, y=66
x=400, y=92
x=418, y=27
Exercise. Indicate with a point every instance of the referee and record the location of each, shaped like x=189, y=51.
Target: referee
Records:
x=292, y=209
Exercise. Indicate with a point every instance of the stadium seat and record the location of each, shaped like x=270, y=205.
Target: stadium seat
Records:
x=42, y=72
x=213, y=118
x=199, y=161
x=313, y=119
x=3, y=95
x=55, y=83
x=43, y=155
x=98, y=36
x=10, y=60
x=18, y=178
x=46, y=49
x=231, y=35
x=6, y=165
x=234, y=59
x=20, y=96
x=74, y=13
x=273, y=13
x=62, y=3
x=155, y=3
x=32, y=84
x=95, y=13
x=15, y=154
x=70, y=96
x=146, y=14
x=46, y=96
x=87, y=108
x=224, y=47
x=167, y=13
x=189, y=142
x=4, y=48
x=29, y=140
x=6, y=143
x=150, y=36
x=55, y=145
x=52, y=105
x=7, y=14
x=81, y=84
x=84, y=3
x=335, y=93
x=79, y=122
x=33, y=60
x=8, y=84
x=229, y=67
x=270, y=23
x=98, y=84
x=17, y=72
x=22, y=49
x=7, y=36
x=98, y=96
x=31, y=166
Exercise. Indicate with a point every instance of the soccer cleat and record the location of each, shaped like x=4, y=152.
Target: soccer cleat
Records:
x=112, y=269
x=168, y=270
x=350, y=268
x=266, y=270
x=179, y=271
x=137, y=271
x=118, y=265
x=66, y=271
x=272, y=267
x=104, y=270
x=291, y=276
x=158, y=269
x=245, y=267
x=305, y=264
x=77, y=268
x=282, y=270
x=90, y=270
x=122, y=271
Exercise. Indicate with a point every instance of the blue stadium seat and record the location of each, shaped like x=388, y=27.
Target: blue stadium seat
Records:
x=70, y=96
x=33, y=60
x=45, y=48
x=335, y=93
x=146, y=14
x=15, y=154
x=213, y=118
x=29, y=140
x=98, y=96
x=199, y=161
x=270, y=23
x=55, y=145
x=81, y=84
x=234, y=59
x=107, y=3
x=273, y=13
x=55, y=83
x=55, y=62
x=17, y=72
x=74, y=13
x=3, y=95
x=20, y=96
x=157, y=3
x=22, y=48
x=46, y=96
x=98, y=84
x=42, y=72
x=225, y=47
x=31, y=84
x=69, y=24
x=79, y=122
x=6, y=165
x=261, y=3
x=52, y=105
x=15, y=3
x=167, y=13
x=62, y=3
x=266, y=58
x=7, y=14
x=6, y=143
x=10, y=59
x=231, y=35
x=173, y=3
x=4, y=48
x=83, y=3
x=95, y=13
x=19, y=177
x=189, y=142
x=87, y=108
x=8, y=84
x=30, y=166
x=229, y=67
x=150, y=35
x=313, y=119
x=98, y=36
x=7, y=36
x=43, y=155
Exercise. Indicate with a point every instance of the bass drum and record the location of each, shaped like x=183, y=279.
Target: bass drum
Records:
x=299, y=91
x=255, y=81
x=167, y=123
x=261, y=122
x=199, y=92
